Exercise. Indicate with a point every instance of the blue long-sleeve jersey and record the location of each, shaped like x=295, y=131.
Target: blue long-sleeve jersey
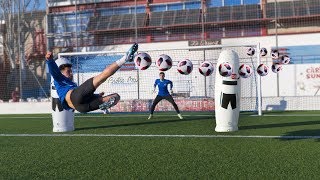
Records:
x=61, y=83
x=163, y=86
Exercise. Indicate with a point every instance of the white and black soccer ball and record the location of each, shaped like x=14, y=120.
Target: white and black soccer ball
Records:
x=245, y=71
x=274, y=54
x=225, y=69
x=263, y=51
x=285, y=59
x=142, y=60
x=263, y=70
x=185, y=67
x=164, y=62
x=206, y=68
x=276, y=67
x=251, y=51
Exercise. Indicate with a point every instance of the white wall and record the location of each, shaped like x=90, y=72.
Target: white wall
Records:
x=265, y=41
x=283, y=40
x=25, y=108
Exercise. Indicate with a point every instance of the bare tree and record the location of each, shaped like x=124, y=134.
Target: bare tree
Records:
x=17, y=16
x=17, y=25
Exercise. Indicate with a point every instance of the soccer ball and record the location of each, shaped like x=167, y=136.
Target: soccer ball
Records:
x=206, y=68
x=164, y=62
x=263, y=51
x=274, y=54
x=185, y=67
x=276, y=67
x=262, y=70
x=285, y=59
x=245, y=71
x=225, y=69
x=142, y=60
x=251, y=51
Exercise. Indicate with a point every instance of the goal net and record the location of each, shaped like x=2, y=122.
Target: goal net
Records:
x=193, y=90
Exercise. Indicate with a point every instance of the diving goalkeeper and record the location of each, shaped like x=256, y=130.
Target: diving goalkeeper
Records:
x=82, y=98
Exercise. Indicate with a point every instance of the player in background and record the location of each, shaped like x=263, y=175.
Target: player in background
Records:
x=163, y=93
x=82, y=98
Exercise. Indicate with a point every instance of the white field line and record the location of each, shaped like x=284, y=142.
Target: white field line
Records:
x=159, y=136
x=289, y=115
x=98, y=116
x=146, y=115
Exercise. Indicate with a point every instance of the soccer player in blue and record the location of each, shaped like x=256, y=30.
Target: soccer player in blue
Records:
x=82, y=98
x=163, y=93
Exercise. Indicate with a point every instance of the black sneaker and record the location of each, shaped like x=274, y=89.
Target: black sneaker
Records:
x=108, y=104
x=131, y=51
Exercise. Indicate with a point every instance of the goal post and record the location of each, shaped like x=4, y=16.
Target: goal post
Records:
x=134, y=84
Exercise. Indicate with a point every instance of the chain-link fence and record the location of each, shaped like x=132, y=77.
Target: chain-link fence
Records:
x=28, y=31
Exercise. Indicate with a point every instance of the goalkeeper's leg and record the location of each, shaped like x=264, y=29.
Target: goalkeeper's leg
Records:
x=84, y=100
x=170, y=99
x=155, y=102
x=110, y=70
x=109, y=101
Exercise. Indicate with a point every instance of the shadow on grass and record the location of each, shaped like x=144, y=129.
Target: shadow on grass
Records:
x=260, y=126
x=302, y=134
x=144, y=123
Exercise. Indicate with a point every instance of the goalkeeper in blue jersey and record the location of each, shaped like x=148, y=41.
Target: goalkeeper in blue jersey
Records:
x=82, y=98
x=163, y=93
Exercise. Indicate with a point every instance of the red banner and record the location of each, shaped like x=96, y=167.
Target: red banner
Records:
x=183, y=104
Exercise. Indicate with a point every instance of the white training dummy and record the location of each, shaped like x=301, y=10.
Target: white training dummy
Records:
x=227, y=94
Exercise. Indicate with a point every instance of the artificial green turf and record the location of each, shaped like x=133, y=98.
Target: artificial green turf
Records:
x=161, y=157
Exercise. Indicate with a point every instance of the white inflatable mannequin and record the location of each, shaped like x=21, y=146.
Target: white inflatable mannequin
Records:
x=227, y=94
x=63, y=120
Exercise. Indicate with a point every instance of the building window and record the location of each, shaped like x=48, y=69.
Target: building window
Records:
x=192, y=5
x=232, y=2
x=251, y=1
x=158, y=8
x=219, y=3
x=121, y=11
x=106, y=12
x=214, y=3
x=176, y=6
x=172, y=7
x=126, y=10
x=140, y=9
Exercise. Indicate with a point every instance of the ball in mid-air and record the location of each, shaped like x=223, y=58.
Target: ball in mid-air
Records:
x=206, y=68
x=263, y=70
x=274, y=54
x=285, y=59
x=142, y=60
x=164, y=62
x=225, y=69
x=276, y=67
x=185, y=67
x=251, y=51
x=245, y=71
x=263, y=51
